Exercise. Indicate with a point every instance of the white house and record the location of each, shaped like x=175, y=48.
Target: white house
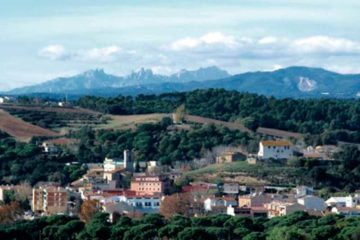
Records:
x=209, y=203
x=279, y=149
x=141, y=203
x=349, y=201
x=346, y=211
x=312, y=203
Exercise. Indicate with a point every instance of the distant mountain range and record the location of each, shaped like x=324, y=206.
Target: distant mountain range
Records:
x=288, y=82
x=93, y=80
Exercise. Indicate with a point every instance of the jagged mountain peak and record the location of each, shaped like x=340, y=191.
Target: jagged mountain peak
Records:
x=93, y=73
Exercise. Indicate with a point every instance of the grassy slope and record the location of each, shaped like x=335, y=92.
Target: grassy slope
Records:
x=242, y=172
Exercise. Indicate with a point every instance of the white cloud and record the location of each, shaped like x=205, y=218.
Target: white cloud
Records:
x=212, y=38
x=217, y=45
x=267, y=40
x=103, y=55
x=54, y=52
x=218, y=38
x=326, y=45
x=106, y=54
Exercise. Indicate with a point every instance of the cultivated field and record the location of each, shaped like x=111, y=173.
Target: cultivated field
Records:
x=60, y=119
x=20, y=129
x=130, y=121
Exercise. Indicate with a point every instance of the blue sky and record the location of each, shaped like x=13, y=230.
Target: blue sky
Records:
x=44, y=39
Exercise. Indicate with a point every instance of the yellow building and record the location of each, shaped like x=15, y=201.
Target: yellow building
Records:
x=229, y=156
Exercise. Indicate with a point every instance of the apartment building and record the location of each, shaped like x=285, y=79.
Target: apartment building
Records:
x=49, y=200
x=149, y=185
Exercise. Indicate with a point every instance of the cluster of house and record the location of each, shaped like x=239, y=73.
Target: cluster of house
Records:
x=118, y=189
x=279, y=150
x=107, y=183
x=259, y=203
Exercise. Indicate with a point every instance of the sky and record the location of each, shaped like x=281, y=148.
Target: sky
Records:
x=44, y=39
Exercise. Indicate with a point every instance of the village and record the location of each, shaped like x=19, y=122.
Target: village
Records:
x=122, y=186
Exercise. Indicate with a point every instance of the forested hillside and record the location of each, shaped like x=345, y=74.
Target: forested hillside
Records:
x=328, y=119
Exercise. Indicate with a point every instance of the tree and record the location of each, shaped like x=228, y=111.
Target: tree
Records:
x=287, y=233
x=140, y=232
x=88, y=209
x=178, y=203
x=10, y=212
x=193, y=233
x=179, y=115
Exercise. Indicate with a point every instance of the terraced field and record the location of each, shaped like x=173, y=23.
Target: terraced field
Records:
x=59, y=119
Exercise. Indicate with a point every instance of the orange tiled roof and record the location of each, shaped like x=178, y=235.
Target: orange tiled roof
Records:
x=279, y=143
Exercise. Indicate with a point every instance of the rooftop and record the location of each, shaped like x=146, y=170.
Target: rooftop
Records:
x=279, y=143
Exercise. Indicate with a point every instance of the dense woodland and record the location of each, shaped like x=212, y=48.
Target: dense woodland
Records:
x=21, y=162
x=328, y=119
x=157, y=142
x=297, y=226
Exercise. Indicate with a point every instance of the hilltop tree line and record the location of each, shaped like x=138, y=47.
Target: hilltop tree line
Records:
x=296, y=226
x=329, y=119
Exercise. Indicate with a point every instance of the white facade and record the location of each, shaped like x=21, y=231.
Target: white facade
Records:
x=347, y=212
x=275, y=150
x=312, y=203
x=139, y=202
x=218, y=202
x=349, y=201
